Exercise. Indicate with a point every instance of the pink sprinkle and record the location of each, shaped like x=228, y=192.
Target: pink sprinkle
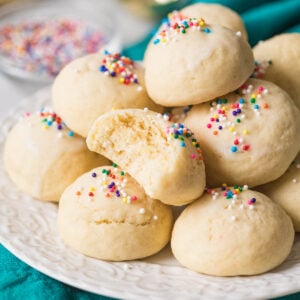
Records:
x=208, y=125
x=134, y=198
x=260, y=89
x=193, y=156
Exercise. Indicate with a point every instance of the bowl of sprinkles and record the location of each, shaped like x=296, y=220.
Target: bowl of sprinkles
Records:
x=38, y=38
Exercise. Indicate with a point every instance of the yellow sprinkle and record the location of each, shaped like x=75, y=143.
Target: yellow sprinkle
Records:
x=92, y=189
x=113, y=108
x=231, y=129
x=45, y=127
x=163, y=40
x=124, y=200
x=122, y=80
x=253, y=96
x=245, y=131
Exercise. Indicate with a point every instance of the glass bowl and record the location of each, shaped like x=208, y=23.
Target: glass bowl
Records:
x=37, y=38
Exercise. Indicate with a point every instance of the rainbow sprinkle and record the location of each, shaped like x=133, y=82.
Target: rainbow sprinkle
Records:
x=46, y=46
x=260, y=68
x=229, y=116
x=112, y=182
x=231, y=194
x=179, y=132
x=51, y=119
x=116, y=65
x=177, y=23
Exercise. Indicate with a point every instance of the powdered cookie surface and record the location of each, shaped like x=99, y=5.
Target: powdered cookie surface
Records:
x=248, y=137
x=231, y=232
x=42, y=156
x=216, y=14
x=286, y=192
x=97, y=83
x=215, y=62
x=282, y=54
x=106, y=214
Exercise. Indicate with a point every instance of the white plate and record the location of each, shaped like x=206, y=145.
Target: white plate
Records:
x=28, y=231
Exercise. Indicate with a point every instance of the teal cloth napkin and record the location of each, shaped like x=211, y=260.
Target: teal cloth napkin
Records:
x=263, y=19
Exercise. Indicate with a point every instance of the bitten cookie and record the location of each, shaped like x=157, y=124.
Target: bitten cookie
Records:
x=42, y=156
x=105, y=214
x=216, y=14
x=163, y=157
x=286, y=192
x=249, y=136
x=215, y=62
x=232, y=232
x=98, y=83
x=280, y=61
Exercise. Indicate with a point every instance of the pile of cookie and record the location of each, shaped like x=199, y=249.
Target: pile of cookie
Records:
x=207, y=122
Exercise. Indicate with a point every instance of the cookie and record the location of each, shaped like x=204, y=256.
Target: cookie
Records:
x=279, y=57
x=248, y=137
x=163, y=157
x=94, y=84
x=286, y=192
x=190, y=62
x=216, y=14
x=232, y=231
x=105, y=214
x=42, y=156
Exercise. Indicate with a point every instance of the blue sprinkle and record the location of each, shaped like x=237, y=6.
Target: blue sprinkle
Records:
x=242, y=101
x=49, y=123
x=70, y=133
x=256, y=106
x=102, y=69
x=234, y=149
x=156, y=41
x=207, y=30
x=106, y=52
x=182, y=144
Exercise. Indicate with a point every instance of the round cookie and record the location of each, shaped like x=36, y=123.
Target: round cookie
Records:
x=195, y=62
x=42, y=156
x=163, y=157
x=98, y=83
x=248, y=137
x=286, y=192
x=216, y=14
x=231, y=232
x=105, y=214
x=283, y=53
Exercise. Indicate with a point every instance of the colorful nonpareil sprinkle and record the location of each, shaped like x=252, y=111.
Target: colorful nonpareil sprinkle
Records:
x=119, y=66
x=177, y=23
x=260, y=68
x=232, y=194
x=112, y=182
x=228, y=115
x=50, y=119
x=45, y=46
x=179, y=132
